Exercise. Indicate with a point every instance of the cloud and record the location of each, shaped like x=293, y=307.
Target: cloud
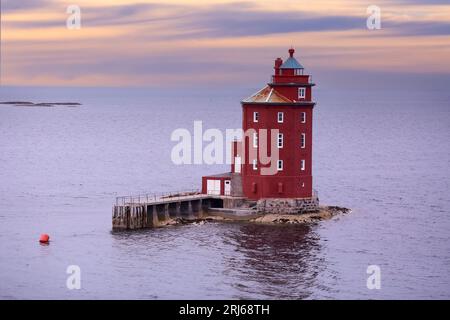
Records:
x=227, y=20
x=250, y=20
x=93, y=16
x=231, y=21
x=21, y=5
x=167, y=43
x=418, y=28
x=423, y=2
x=117, y=65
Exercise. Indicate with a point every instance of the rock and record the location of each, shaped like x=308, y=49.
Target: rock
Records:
x=322, y=213
x=40, y=104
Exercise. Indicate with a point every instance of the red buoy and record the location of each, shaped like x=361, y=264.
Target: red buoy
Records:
x=45, y=238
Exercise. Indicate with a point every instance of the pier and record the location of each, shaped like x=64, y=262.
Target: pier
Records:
x=150, y=210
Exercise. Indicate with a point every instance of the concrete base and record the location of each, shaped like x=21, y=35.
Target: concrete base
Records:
x=151, y=215
x=234, y=214
x=233, y=202
x=141, y=216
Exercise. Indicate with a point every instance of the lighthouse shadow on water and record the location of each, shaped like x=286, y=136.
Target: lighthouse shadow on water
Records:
x=246, y=261
x=278, y=261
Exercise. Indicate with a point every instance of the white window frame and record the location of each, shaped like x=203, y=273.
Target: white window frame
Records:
x=237, y=164
x=280, y=119
x=280, y=165
x=303, y=141
x=255, y=116
x=302, y=165
x=298, y=72
x=303, y=117
x=255, y=164
x=213, y=186
x=280, y=141
x=255, y=140
x=302, y=90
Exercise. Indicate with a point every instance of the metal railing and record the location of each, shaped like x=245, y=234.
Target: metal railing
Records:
x=155, y=197
x=177, y=195
x=310, y=79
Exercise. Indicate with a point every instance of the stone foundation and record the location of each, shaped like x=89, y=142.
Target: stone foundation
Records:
x=132, y=216
x=287, y=206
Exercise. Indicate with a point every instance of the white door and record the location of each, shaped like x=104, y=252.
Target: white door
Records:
x=213, y=186
x=237, y=164
x=227, y=187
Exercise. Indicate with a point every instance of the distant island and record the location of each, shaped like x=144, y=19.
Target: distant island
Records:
x=40, y=104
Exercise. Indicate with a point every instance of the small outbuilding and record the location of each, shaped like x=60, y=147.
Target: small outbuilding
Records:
x=218, y=184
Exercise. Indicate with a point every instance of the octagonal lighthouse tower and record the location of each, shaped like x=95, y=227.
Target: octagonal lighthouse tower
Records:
x=284, y=107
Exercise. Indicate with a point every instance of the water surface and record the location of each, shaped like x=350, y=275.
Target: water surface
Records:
x=385, y=154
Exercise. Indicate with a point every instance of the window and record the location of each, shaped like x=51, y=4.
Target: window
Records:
x=255, y=116
x=213, y=186
x=303, y=140
x=255, y=164
x=237, y=164
x=255, y=140
x=298, y=72
x=301, y=93
x=303, y=117
x=280, y=140
x=280, y=165
x=302, y=165
x=280, y=117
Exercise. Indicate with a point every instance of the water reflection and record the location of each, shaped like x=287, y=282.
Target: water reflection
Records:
x=273, y=261
x=248, y=261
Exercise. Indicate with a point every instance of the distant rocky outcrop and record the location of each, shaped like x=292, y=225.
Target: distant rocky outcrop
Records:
x=40, y=104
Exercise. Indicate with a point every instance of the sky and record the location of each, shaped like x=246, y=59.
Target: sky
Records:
x=220, y=42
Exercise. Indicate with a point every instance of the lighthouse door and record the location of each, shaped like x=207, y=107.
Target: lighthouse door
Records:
x=227, y=187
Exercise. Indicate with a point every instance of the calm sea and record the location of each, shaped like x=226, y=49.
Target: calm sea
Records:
x=384, y=154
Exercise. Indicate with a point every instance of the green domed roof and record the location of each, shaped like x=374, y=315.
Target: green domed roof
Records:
x=291, y=62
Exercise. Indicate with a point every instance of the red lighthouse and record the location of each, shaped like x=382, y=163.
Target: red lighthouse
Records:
x=284, y=105
x=274, y=158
